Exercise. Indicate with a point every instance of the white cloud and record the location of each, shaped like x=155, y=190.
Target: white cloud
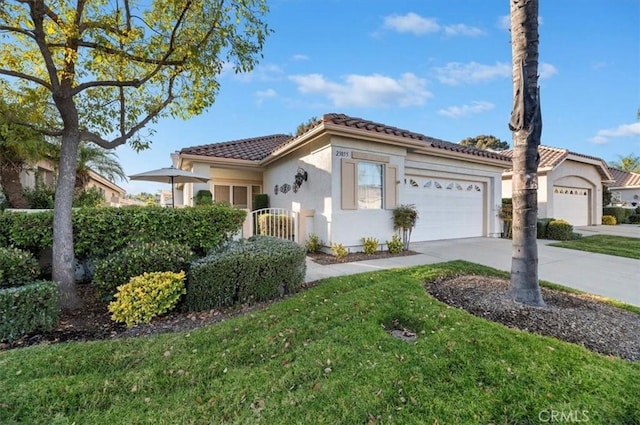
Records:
x=546, y=70
x=462, y=29
x=411, y=23
x=373, y=90
x=419, y=25
x=300, y=57
x=456, y=73
x=266, y=93
x=267, y=72
x=464, y=110
x=624, y=130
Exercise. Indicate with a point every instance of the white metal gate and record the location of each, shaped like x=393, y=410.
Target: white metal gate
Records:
x=277, y=222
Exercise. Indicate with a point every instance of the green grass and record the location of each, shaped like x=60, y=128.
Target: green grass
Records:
x=324, y=357
x=620, y=246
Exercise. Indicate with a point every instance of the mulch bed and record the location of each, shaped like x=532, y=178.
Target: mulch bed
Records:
x=327, y=259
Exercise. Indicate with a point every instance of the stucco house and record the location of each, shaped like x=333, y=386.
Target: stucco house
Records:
x=569, y=185
x=351, y=173
x=44, y=172
x=625, y=190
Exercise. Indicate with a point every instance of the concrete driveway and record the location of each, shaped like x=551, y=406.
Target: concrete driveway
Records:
x=609, y=276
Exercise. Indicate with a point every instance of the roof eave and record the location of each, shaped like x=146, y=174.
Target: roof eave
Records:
x=215, y=160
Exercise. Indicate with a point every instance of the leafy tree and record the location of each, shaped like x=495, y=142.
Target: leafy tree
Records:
x=485, y=142
x=93, y=158
x=526, y=126
x=630, y=162
x=90, y=71
x=19, y=148
x=306, y=125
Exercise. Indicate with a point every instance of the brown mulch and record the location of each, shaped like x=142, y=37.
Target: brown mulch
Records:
x=579, y=319
x=326, y=259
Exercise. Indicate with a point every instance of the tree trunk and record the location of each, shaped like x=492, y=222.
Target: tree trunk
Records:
x=63, y=255
x=526, y=125
x=11, y=185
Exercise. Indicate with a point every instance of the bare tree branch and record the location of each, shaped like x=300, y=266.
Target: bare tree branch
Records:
x=17, y=30
x=27, y=77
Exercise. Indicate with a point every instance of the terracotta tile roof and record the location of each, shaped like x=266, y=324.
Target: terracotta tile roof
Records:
x=258, y=148
x=359, y=123
x=253, y=149
x=624, y=178
x=551, y=157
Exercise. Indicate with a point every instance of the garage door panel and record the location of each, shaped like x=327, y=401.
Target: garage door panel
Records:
x=571, y=204
x=448, y=209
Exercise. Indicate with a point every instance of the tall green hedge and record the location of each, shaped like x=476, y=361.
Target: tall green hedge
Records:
x=261, y=268
x=621, y=214
x=100, y=231
x=28, y=308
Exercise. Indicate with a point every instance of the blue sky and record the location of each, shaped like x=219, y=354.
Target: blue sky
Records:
x=437, y=67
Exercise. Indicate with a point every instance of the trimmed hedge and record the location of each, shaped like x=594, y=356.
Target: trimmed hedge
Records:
x=99, y=232
x=136, y=259
x=543, y=226
x=258, y=269
x=634, y=219
x=147, y=296
x=560, y=230
x=621, y=214
x=26, y=309
x=17, y=267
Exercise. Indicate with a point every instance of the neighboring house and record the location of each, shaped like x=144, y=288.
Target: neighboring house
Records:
x=352, y=174
x=569, y=185
x=44, y=172
x=625, y=190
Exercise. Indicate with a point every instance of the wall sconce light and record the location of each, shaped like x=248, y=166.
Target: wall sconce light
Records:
x=301, y=176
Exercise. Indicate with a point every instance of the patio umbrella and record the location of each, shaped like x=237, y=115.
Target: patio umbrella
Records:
x=171, y=175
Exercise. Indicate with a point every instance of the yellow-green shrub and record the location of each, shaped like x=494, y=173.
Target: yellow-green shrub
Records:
x=609, y=220
x=147, y=296
x=559, y=230
x=339, y=251
x=395, y=245
x=370, y=245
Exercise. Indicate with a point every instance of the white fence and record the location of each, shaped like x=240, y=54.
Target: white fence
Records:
x=277, y=222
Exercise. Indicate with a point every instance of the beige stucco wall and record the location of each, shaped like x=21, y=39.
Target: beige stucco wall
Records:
x=568, y=174
x=313, y=198
x=582, y=176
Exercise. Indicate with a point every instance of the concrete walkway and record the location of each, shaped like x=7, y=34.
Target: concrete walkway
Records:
x=606, y=275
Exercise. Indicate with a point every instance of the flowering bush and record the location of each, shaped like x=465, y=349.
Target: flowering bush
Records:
x=609, y=220
x=339, y=251
x=395, y=245
x=370, y=245
x=146, y=297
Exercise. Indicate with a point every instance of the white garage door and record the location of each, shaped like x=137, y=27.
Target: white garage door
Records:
x=571, y=204
x=448, y=209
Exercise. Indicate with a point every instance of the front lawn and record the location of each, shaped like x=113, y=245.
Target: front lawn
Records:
x=325, y=356
x=620, y=246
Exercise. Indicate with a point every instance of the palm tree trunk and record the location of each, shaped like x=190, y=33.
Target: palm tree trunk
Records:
x=526, y=125
x=63, y=255
x=11, y=185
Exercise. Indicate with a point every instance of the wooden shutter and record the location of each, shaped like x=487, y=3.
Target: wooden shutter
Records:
x=390, y=187
x=349, y=184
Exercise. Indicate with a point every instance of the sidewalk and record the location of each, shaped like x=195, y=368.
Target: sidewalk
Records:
x=609, y=276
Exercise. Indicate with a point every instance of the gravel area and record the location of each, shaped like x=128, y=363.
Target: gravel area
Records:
x=573, y=318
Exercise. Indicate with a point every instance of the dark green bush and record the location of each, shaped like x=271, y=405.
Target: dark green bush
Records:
x=621, y=214
x=27, y=309
x=137, y=259
x=260, y=201
x=543, y=224
x=559, y=230
x=202, y=198
x=260, y=268
x=17, y=267
x=40, y=197
x=99, y=232
x=634, y=219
